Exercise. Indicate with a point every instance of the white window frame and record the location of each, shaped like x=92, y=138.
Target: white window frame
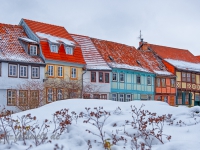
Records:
x=49, y=95
x=54, y=48
x=73, y=72
x=114, y=97
x=60, y=71
x=51, y=70
x=149, y=80
x=59, y=94
x=128, y=98
x=69, y=50
x=12, y=71
x=121, y=97
x=120, y=75
x=114, y=74
x=35, y=72
x=33, y=50
x=23, y=71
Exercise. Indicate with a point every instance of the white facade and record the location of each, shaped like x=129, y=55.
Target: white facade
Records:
x=7, y=82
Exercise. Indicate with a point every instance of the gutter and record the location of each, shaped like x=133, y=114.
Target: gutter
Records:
x=82, y=81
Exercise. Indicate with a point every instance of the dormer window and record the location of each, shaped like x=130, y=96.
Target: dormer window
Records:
x=69, y=50
x=33, y=50
x=54, y=48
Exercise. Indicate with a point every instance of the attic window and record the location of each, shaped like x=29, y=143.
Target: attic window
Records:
x=33, y=50
x=138, y=62
x=54, y=48
x=161, y=67
x=69, y=50
x=111, y=58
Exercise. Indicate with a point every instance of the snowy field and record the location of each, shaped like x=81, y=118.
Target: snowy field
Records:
x=185, y=134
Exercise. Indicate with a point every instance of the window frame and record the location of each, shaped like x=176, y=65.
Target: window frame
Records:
x=34, y=52
x=37, y=77
x=57, y=94
x=54, y=50
x=58, y=72
x=103, y=96
x=163, y=84
x=183, y=77
x=72, y=73
x=108, y=77
x=93, y=74
x=13, y=102
x=120, y=77
x=188, y=77
x=149, y=79
x=138, y=77
x=193, y=76
x=158, y=82
x=69, y=50
x=120, y=98
x=33, y=98
x=114, y=73
x=49, y=70
x=22, y=76
x=24, y=98
x=15, y=76
x=127, y=98
x=48, y=93
x=114, y=98
x=101, y=74
x=172, y=84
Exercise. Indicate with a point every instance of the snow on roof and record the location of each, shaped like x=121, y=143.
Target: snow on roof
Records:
x=162, y=72
x=55, y=39
x=91, y=55
x=27, y=40
x=125, y=66
x=184, y=65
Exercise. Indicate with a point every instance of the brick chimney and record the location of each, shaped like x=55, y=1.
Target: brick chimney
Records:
x=143, y=45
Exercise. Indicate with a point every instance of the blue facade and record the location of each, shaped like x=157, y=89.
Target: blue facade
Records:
x=127, y=85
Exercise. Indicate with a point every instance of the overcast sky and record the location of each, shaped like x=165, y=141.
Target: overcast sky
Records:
x=173, y=23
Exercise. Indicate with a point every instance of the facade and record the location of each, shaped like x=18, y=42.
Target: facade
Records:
x=165, y=81
x=130, y=80
x=186, y=67
x=96, y=76
x=63, y=58
x=20, y=62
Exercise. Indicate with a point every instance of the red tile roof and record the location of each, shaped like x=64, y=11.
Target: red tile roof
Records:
x=198, y=58
x=123, y=54
x=174, y=53
x=10, y=47
x=60, y=32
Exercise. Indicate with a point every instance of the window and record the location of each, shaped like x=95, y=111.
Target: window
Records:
x=23, y=98
x=23, y=71
x=93, y=76
x=86, y=96
x=193, y=78
x=114, y=76
x=34, y=98
x=172, y=82
x=106, y=77
x=179, y=97
x=60, y=71
x=54, y=48
x=96, y=96
x=188, y=77
x=186, y=97
x=103, y=96
x=12, y=70
x=69, y=50
x=163, y=82
x=59, y=94
x=49, y=95
x=35, y=72
x=183, y=76
x=11, y=97
x=51, y=70
x=121, y=77
x=158, y=82
x=121, y=97
x=33, y=50
x=138, y=79
x=128, y=97
x=100, y=76
x=114, y=97
x=73, y=73
x=148, y=80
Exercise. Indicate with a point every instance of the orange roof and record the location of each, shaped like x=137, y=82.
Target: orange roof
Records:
x=123, y=54
x=198, y=58
x=173, y=53
x=60, y=32
x=10, y=45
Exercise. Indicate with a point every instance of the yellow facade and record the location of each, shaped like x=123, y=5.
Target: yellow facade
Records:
x=178, y=74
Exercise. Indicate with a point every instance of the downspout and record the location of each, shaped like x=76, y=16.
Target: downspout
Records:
x=82, y=81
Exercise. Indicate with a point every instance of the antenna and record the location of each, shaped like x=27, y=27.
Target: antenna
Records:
x=140, y=37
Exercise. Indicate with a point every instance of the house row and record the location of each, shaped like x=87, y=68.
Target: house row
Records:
x=41, y=63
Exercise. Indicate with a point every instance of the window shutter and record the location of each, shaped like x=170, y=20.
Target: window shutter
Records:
x=190, y=98
x=183, y=98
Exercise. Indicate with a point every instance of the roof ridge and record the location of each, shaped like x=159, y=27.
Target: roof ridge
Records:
x=168, y=47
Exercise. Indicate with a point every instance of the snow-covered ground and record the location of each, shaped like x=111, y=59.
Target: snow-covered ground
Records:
x=184, y=136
